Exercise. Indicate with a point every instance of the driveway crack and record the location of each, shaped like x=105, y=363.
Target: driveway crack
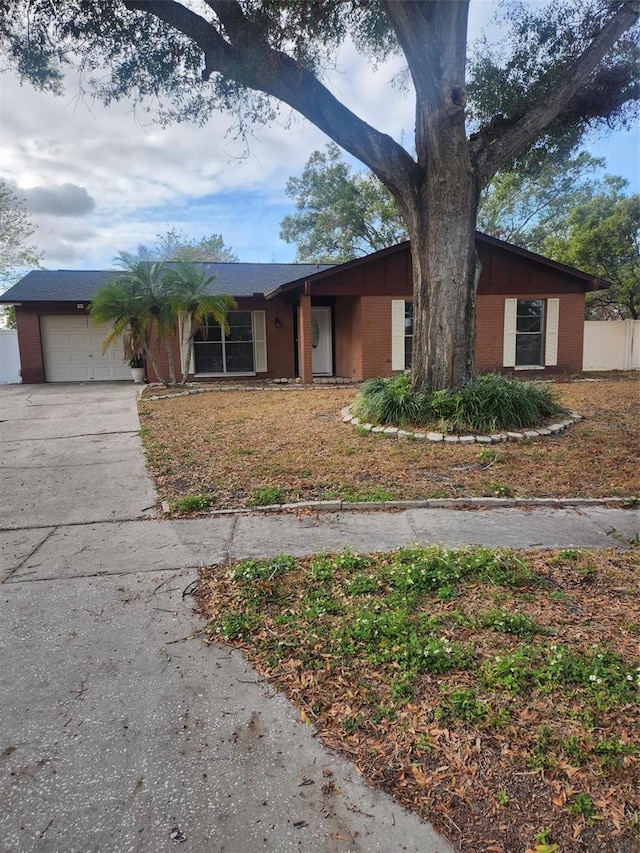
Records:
x=69, y=437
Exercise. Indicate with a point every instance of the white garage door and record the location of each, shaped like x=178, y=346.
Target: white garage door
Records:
x=72, y=350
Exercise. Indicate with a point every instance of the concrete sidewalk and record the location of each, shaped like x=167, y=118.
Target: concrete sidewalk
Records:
x=128, y=547
x=120, y=734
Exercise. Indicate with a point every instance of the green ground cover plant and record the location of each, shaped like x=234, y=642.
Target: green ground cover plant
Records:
x=490, y=403
x=425, y=664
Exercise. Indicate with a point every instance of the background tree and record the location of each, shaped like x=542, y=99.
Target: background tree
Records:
x=340, y=214
x=560, y=70
x=530, y=203
x=603, y=237
x=335, y=222
x=15, y=252
x=176, y=245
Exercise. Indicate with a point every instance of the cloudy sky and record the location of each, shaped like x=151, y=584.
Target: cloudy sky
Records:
x=97, y=180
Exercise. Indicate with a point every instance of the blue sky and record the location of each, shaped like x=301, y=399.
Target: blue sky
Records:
x=100, y=180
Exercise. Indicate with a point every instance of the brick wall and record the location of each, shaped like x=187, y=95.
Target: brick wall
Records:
x=490, y=326
x=280, y=346
x=348, y=337
x=30, y=344
x=376, y=334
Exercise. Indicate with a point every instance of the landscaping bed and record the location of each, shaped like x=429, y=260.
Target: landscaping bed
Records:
x=241, y=448
x=494, y=693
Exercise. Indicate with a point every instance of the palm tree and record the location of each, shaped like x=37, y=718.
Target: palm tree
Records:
x=186, y=287
x=136, y=304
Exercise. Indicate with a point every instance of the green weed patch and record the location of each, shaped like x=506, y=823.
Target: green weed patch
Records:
x=425, y=662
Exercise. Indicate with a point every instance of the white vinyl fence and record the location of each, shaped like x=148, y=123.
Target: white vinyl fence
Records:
x=611, y=345
x=9, y=356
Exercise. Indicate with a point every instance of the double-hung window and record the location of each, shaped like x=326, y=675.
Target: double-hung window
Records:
x=530, y=333
x=529, y=329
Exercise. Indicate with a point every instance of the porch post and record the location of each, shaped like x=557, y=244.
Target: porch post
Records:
x=304, y=336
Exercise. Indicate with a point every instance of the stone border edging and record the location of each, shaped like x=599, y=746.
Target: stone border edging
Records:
x=494, y=438
x=433, y=503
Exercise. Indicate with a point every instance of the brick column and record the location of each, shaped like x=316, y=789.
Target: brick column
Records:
x=30, y=345
x=305, y=358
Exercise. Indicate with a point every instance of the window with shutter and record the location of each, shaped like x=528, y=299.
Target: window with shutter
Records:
x=401, y=334
x=530, y=333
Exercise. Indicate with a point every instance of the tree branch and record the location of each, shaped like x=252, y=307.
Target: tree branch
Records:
x=253, y=63
x=433, y=37
x=497, y=144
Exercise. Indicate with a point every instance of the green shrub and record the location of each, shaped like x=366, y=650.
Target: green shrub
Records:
x=495, y=402
x=492, y=402
x=390, y=401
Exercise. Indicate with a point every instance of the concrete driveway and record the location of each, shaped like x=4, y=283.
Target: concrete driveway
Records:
x=120, y=731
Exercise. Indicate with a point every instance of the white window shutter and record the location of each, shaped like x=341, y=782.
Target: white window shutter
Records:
x=397, y=334
x=551, y=336
x=259, y=341
x=509, y=340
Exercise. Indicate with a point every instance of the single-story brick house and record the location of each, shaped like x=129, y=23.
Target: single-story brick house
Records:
x=350, y=320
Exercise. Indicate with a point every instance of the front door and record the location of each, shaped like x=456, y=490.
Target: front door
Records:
x=321, y=342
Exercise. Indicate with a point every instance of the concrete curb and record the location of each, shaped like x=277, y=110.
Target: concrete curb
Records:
x=436, y=503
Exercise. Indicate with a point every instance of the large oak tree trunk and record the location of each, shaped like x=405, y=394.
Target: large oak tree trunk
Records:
x=445, y=274
x=439, y=199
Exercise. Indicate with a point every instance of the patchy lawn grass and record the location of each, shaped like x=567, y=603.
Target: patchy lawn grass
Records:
x=497, y=694
x=226, y=449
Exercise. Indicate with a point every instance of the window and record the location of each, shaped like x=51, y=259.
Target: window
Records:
x=529, y=327
x=408, y=334
x=401, y=334
x=531, y=333
x=217, y=351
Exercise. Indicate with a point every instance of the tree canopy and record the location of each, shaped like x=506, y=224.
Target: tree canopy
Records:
x=529, y=203
x=603, y=236
x=560, y=70
x=176, y=245
x=15, y=230
x=340, y=214
x=15, y=251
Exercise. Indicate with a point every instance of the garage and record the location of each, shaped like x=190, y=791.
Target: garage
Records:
x=72, y=351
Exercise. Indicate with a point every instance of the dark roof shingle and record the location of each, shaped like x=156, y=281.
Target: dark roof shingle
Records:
x=234, y=279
